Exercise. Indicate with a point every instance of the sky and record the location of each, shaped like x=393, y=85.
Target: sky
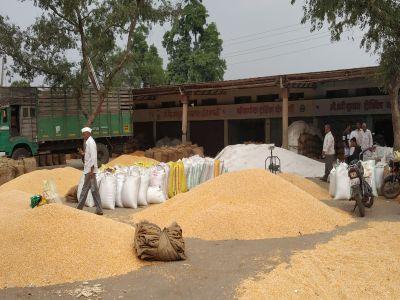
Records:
x=261, y=38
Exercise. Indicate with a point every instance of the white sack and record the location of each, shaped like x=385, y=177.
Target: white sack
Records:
x=379, y=176
x=332, y=182
x=130, y=191
x=89, y=200
x=343, y=188
x=155, y=195
x=108, y=191
x=143, y=187
x=120, y=184
x=369, y=175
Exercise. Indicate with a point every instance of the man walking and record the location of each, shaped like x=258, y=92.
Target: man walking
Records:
x=328, y=151
x=89, y=171
x=367, y=141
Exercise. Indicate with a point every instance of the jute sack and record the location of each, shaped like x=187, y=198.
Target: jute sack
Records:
x=153, y=244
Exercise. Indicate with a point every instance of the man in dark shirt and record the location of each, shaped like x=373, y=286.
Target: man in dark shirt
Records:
x=355, y=151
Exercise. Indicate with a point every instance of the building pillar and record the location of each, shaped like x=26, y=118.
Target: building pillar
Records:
x=315, y=122
x=226, y=133
x=185, y=103
x=267, y=129
x=285, y=118
x=370, y=122
x=154, y=132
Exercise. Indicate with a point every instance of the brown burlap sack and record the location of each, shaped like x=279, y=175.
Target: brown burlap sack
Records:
x=72, y=194
x=152, y=244
x=29, y=164
x=7, y=173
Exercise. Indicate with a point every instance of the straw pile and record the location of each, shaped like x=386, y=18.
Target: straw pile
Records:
x=167, y=154
x=364, y=264
x=55, y=244
x=32, y=183
x=128, y=160
x=306, y=185
x=246, y=205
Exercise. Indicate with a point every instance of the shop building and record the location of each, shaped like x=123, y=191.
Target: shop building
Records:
x=260, y=109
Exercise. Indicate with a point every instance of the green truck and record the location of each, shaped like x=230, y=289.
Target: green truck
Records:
x=43, y=121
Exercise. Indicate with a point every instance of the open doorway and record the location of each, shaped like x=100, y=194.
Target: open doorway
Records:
x=14, y=121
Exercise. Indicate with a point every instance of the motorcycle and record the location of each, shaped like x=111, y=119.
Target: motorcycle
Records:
x=391, y=183
x=361, y=191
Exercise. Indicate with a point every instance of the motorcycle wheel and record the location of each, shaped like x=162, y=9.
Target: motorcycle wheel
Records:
x=391, y=187
x=360, y=205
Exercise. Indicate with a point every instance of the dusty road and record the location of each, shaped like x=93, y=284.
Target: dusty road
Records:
x=213, y=270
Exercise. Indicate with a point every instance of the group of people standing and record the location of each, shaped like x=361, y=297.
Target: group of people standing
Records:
x=354, y=142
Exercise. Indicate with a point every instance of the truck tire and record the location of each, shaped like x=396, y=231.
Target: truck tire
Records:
x=103, y=154
x=20, y=153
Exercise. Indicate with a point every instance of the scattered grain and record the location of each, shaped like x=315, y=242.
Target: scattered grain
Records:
x=128, y=160
x=364, y=264
x=55, y=244
x=306, y=185
x=32, y=183
x=250, y=204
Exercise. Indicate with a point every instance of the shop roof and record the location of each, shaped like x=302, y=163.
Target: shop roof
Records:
x=300, y=80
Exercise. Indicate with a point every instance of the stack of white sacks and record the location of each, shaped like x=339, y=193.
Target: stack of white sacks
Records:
x=339, y=187
x=130, y=187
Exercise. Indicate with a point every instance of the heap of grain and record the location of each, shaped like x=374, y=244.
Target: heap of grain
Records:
x=166, y=154
x=55, y=244
x=251, y=204
x=306, y=185
x=129, y=160
x=363, y=264
x=32, y=183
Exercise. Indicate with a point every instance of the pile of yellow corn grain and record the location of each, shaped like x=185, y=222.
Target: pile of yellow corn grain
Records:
x=250, y=204
x=307, y=185
x=363, y=264
x=55, y=244
x=32, y=182
x=128, y=160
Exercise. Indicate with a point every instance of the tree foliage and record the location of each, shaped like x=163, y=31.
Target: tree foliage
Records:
x=70, y=36
x=20, y=83
x=379, y=22
x=146, y=67
x=194, y=47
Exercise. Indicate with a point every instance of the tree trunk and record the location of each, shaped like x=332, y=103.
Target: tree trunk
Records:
x=394, y=99
x=97, y=111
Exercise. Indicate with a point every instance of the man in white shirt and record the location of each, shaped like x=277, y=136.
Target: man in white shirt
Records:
x=328, y=151
x=367, y=141
x=357, y=133
x=90, y=169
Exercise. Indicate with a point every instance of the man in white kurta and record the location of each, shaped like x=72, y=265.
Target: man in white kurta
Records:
x=367, y=140
x=90, y=170
x=328, y=151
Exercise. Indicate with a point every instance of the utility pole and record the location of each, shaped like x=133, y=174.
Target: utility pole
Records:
x=3, y=62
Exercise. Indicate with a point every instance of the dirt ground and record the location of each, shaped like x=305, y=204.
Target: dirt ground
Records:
x=213, y=269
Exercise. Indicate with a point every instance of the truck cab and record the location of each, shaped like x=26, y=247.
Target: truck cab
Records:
x=17, y=131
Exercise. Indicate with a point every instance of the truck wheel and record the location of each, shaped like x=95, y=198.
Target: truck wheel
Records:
x=20, y=153
x=103, y=155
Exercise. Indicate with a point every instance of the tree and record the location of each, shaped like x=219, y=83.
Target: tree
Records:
x=146, y=68
x=20, y=83
x=86, y=30
x=379, y=21
x=194, y=46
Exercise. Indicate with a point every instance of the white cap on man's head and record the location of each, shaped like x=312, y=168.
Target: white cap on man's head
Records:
x=86, y=129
